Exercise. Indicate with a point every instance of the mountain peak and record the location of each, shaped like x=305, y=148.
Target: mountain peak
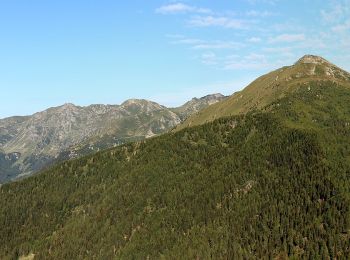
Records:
x=141, y=105
x=213, y=96
x=68, y=105
x=134, y=101
x=307, y=59
x=138, y=102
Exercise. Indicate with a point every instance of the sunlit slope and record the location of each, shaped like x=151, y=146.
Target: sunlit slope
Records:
x=270, y=87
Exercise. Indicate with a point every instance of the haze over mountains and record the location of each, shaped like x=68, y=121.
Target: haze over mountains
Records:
x=30, y=143
x=268, y=177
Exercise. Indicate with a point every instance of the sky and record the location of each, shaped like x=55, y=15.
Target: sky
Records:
x=106, y=51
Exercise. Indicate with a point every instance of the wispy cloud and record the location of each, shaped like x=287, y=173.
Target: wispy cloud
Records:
x=199, y=44
x=174, y=36
x=336, y=19
x=341, y=27
x=288, y=38
x=285, y=26
x=265, y=32
x=271, y=2
x=251, y=61
x=280, y=51
x=218, y=45
x=313, y=43
x=190, y=41
x=176, y=8
x=218, y=21
x=254, y=40
x=209, y=58
x=337, y=15
x=255, y=13
x=333, y=14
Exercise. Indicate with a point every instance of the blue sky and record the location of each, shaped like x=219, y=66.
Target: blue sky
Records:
x=106, y=51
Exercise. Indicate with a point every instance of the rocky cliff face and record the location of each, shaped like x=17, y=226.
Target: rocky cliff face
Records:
x=69, y=131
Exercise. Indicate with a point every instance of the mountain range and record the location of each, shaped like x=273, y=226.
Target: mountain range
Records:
x=263, y=174
x=31, y=143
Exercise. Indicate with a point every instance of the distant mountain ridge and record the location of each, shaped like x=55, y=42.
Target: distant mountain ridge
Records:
x=69, y=131
x=197, y=104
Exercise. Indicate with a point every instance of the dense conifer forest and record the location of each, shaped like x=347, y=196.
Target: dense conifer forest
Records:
x=274, y=183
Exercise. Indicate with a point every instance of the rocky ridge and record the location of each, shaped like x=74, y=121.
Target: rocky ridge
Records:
x=69, y=131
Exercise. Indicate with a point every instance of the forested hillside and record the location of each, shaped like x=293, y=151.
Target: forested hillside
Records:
x=269, y=184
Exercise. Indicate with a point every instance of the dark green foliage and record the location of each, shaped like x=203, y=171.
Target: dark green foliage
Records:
x=268, y=184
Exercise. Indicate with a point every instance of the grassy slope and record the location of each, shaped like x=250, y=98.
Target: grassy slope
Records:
x=266, y=89
x=267, y=184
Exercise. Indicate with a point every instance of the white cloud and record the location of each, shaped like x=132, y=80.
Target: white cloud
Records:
x=180, y=39
x=189, y=41
x=251, y=61
x=345, y=42
x=177, y=8
x=278, y=50
x=246, y=65
x=254, y=39
x=255, y=57
x=175, y=36
x=198, y=44
x=271, y=2
x=314, y=43
x=288, y=38
x=338, y=11
x=255, y=13
x=218, y=45
x=332, y=14
x=341, y=27
x=290, y=26
x=284, y=38
x=209, y=58
x=222, y=21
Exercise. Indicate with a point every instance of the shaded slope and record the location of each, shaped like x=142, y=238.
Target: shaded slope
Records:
x=267, y=184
